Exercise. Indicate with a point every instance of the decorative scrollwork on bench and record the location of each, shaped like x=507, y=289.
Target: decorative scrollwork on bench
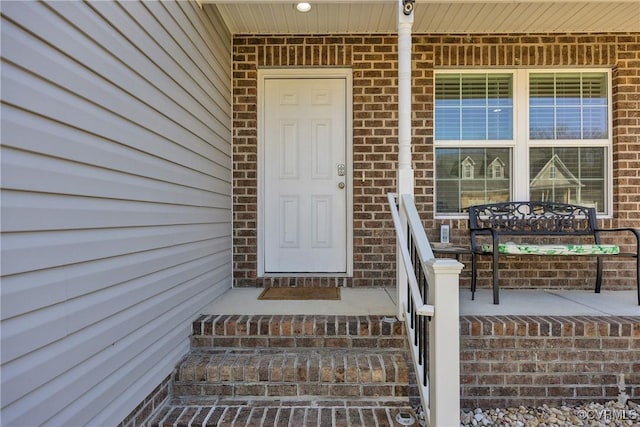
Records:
x=533, y=217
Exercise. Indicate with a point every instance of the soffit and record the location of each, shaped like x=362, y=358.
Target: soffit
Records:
x=431, y=16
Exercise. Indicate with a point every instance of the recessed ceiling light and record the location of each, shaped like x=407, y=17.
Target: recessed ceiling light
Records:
x=303, y=6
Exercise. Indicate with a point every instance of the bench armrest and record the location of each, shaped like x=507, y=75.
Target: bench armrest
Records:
x=483, y=231
x=634, y=231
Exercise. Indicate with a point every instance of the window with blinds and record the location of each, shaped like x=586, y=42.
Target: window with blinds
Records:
x=568, y=106
x=475, y=110
x=556, y=148
x=474, y=107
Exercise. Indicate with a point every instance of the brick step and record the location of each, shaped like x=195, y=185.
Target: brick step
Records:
x=293, y=370
x=281, y=412
x=290, y=331
x=271, y=372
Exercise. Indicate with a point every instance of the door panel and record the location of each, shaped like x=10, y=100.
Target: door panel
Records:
x=305, y=207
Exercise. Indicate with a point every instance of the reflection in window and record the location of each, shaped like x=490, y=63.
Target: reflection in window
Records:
x=496, y=168
x=469, y=176
x=468, y=168
x=568, y=175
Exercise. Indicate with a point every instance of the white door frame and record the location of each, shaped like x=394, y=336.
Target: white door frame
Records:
x=311, y=73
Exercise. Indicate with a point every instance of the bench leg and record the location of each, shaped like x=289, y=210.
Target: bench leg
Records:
x=473, y=276
x=599, y=275
x=496, y=290
x=638, y=275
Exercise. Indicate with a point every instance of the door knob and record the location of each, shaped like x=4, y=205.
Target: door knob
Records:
x=341, y=185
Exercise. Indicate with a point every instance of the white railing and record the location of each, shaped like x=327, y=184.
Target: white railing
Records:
x=428, y=304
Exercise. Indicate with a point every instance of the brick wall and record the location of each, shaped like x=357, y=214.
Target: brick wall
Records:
x=373, y=59
x=532, y=360
x=147, y=409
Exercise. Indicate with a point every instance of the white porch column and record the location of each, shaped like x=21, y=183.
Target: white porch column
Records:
x=405, y=172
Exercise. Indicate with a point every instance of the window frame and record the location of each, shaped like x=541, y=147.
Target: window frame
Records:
x=521, y=143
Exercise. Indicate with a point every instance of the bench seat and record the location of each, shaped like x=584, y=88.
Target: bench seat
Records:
x=534, y=249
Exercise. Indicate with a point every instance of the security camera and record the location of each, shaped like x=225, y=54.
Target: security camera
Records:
x=407, y=6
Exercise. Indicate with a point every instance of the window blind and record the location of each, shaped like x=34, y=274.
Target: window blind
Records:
x=474, y=106
x=568, y=106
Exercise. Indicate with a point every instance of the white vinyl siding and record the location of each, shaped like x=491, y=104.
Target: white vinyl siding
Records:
x=116, y=200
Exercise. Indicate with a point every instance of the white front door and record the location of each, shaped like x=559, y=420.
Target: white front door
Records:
x=305, y=175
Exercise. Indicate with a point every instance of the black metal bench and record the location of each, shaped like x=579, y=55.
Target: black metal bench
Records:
x=498, y=222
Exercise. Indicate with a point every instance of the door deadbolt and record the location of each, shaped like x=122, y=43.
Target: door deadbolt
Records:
x=341, y=170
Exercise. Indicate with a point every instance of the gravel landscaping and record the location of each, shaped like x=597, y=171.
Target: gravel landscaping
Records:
x=611, y=413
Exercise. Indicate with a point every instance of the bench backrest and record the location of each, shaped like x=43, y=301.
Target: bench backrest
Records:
x=529, y=218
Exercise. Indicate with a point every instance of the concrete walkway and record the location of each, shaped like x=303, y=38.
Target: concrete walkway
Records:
x=381, y=301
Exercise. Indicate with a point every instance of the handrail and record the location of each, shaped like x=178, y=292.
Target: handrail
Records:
x=422, y=242
x=421, y=308
x=431, y=313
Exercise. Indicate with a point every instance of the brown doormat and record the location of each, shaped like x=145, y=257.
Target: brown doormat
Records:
x=300, y=294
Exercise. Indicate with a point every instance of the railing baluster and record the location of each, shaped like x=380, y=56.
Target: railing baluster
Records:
x=425, y=353
x=420, y=338
x=417, y=266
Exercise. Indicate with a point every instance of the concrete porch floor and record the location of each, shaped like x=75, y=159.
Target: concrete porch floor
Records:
x=381, y=301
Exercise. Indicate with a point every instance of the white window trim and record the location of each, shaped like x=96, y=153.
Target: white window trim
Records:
x=521, y=142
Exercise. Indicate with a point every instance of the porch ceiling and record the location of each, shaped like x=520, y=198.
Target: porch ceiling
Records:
x=431, y=16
